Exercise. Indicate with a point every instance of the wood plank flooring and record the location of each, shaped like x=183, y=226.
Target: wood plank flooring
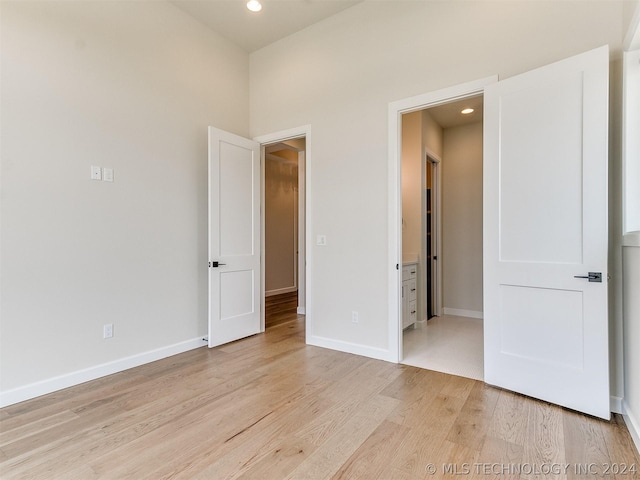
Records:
x=270, y=407
x=280, y=308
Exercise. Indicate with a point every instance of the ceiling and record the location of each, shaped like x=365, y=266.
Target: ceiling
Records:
x=280, y=18
x=252, y=31
x=448, y=115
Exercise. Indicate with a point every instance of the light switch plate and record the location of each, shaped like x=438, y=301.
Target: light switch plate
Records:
x=107, y=174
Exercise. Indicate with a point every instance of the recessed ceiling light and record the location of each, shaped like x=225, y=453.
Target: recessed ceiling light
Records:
x=467, y=111
x=254, y=5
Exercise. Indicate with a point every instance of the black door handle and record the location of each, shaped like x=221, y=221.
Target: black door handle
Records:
x=215, y=264
x=592, y=277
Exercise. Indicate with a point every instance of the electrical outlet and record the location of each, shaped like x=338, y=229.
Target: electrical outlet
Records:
x=355, y=317
x=107, y=330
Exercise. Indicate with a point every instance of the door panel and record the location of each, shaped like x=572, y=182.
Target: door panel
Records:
x=236, y=288
x=236, y=199
x=234, y=237
x=545, y=209
x=535, y=323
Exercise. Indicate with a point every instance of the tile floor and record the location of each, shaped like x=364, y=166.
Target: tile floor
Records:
x=446, y=344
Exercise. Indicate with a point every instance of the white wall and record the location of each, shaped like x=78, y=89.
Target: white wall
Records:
x=127, y=85
x=462, y=218
x=340, y=76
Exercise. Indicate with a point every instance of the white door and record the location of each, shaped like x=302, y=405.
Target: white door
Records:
x=234, y=238
x=545, y=225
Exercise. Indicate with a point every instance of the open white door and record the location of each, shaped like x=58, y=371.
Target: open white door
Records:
x=545, y=228
x=234, y=237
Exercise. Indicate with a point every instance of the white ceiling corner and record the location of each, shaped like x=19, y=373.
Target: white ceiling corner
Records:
x=253, y=31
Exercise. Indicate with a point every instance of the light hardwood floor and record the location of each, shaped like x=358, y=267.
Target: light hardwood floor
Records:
x=270, y=407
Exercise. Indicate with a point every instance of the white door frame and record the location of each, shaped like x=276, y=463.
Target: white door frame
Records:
x=396, y=110
x=303, y=192
x=301, y=257
x=436, y=232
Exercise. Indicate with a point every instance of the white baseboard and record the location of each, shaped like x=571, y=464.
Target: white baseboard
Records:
x=280, y=291
x=54, y=384
x=302, y=311
x=633, y=423
x=458, y=312
x=348, y=347
x=615, y=404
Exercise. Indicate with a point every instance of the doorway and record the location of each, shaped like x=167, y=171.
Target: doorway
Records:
x=447, y=335
x=283, y=226
x=542, y=237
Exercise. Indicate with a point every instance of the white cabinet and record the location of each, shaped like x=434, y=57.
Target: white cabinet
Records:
x=409, y=294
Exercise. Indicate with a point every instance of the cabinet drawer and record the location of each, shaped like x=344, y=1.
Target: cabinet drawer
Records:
x=409, y=272
x=412, y=290
x=413, y=313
